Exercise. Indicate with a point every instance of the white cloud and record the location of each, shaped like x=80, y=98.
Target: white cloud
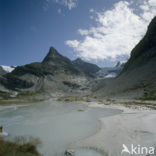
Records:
x=70, y=4
x=73, y=43
x=46, y=5
x=152, y=2
x=116, y=32
x=91, y=17
x=59, y=10
x=91, y=10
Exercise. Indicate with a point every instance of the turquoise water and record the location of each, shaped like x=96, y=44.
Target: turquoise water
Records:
x=57, y=124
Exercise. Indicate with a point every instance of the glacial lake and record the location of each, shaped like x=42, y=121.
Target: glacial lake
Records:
x=57, y=124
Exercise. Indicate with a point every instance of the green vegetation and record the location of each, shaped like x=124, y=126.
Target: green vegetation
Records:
x=81, y=110
x=149, y=95
x=73, y=99
x=29, y=93
x=101, y=102
x=138, y=86
x=4, y=95
x=2, y=102
x=136, y=104
x=21, y=147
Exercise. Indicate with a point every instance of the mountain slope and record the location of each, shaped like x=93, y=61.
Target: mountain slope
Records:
x=145, y=48
x=86, y=67
x=56, y=74
x=110, y=72
x=2, y=71
x=59, y=62
x=8, y=69
x=138, y=77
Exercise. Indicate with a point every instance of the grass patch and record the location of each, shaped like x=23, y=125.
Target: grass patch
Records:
x=149, y=95
x=137, y=104
x=4, y=95
x=21, y=147
x=81, y=110
x=73, y=99
x=3, y=102
x=101, y=102
x=137, y=86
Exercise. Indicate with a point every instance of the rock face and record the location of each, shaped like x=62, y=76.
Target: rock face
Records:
x=56, y=74
x=2, y=71
x=86, y=67
x=138, y=77
x=1, y=129
x=69, y=153
x=59, y=63
x=145, y=50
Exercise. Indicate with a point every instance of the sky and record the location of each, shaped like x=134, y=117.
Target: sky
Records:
x=98, y=31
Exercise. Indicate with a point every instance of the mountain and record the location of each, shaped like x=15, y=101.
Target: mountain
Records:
x=145, y=51
x=2, y=71
x=138, y=77
x=55, y=75
x=57, y=62
x=6, y=69
x=120, y=64
x=86, y=67
x=58, y=76
x=111, y=72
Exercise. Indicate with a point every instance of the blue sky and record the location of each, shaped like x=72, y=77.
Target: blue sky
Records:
x=99, y=31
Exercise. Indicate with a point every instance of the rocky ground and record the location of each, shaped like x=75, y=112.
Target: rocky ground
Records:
x=136, y=125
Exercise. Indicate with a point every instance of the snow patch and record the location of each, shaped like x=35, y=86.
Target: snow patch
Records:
x=111, y=75
x=8, y=68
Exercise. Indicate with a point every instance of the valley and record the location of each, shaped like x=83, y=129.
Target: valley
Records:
x=76, y=106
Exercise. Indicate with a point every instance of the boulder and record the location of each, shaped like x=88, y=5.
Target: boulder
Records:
x=1, y=129
x=69, y=153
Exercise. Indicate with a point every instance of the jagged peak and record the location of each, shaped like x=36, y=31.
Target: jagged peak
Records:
x=78, y=60
x=52, y=54
x=120, y=63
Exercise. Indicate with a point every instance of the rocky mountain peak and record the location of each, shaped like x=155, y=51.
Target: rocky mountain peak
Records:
x=120, y=64
x=86, y=67
x=78, y=61
x=52, y=55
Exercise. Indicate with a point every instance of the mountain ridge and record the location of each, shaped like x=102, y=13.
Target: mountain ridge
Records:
x=56, y=74
x=147, y=43
x=138, y=77
x=88, y=68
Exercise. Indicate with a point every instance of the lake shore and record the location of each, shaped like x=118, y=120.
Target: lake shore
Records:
x=134, y=126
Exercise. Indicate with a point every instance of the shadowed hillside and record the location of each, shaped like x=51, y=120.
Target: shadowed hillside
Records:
x=53, y=76
x=58, y=76
x=86, y=67
x=138, y=78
